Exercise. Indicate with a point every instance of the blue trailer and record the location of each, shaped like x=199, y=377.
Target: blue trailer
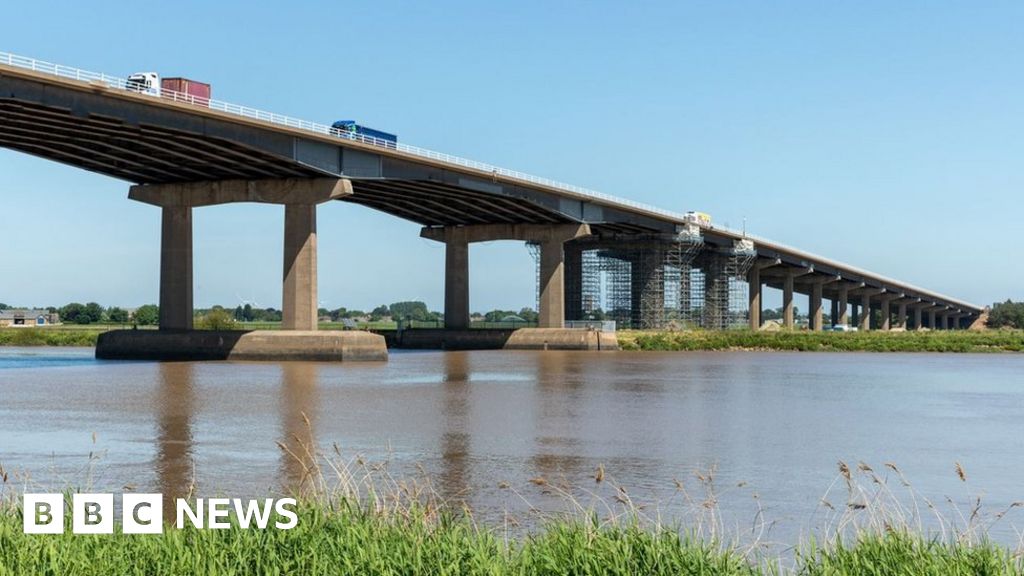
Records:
x=370, y=136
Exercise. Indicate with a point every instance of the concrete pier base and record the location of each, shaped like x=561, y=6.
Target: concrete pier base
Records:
x=321, y=346
x=561, y=339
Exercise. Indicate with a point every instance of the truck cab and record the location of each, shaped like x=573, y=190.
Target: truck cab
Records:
x=353, y=131
x=144, y=83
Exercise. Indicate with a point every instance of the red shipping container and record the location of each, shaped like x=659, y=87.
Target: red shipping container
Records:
x=185, y=90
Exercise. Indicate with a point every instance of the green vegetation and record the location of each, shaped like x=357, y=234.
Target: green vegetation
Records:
x=147, y=315
x=876, y=341
x=216, y=319
x=50, y=336
x=900, y=553
x=353, y=540
x=1007, y=314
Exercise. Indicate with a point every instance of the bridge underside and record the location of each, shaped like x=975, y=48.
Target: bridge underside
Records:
x=652, y=276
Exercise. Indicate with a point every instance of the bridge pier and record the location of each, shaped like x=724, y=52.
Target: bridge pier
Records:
x=901, y=315
x=647, y=286
x=788, y=279
x=299, y=299
x=865, y=312
x=550, y=237
x=788, y=320
x=176, y=268
x=885, y=312
x=574, y=309
x=843, y=306
x=176, y=340
x=816, y=314
x=754, y=297
x=756, y=290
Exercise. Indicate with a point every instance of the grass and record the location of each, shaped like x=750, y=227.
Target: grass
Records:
x=356, y=519
x=349, y=539
x=806, y=341
x=50, y=336
x=356, y=541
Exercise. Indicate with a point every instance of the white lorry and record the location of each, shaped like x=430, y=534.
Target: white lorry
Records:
x=144, y=83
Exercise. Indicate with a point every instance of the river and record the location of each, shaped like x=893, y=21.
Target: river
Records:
x=509, y=432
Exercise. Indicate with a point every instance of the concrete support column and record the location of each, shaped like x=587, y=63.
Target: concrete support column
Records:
x=865, y=316
x=885, y=314
x=945, y=321
x=552, y=264
x=835, y=311
x=176, y=268
x=647, y=293
x=816, y=313
x=855, y=315
x=754, y=296
x=299, y=196
x=917, y=317
x=787, y=301
x=456, y=283
x=552, y=285
x=573, y=281
x=844, y=304
x=931, y=320
x=901, y=315
x=299, y=298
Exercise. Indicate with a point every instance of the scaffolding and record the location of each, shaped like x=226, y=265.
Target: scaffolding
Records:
x=534, y=249
x=655, y=281
x=725, y=286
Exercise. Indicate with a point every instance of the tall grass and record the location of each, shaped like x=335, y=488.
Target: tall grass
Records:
x=807, y=341
x=356, y=519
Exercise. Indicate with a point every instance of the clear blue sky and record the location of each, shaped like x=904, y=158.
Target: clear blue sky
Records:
x=889, y=135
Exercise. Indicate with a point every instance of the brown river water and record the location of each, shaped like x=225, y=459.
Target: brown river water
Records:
x=508, y=432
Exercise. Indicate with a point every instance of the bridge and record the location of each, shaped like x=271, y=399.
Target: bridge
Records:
x=659, y=268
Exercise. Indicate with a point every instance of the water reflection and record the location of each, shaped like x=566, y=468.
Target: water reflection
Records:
x=456, y=393
x=558, y=395
x=299, y=404
x=175, y=403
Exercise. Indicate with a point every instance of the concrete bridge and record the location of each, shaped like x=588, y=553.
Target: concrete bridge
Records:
x=182, y=154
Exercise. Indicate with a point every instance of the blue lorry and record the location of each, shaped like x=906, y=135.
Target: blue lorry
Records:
x=350, y=129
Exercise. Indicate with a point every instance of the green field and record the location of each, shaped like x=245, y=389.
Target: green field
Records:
x=806, y=341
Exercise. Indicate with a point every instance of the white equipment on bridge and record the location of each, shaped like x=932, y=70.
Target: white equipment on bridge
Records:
x=699, y=218
x=145, y=83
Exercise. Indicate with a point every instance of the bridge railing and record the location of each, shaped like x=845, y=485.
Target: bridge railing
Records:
x=120, y=83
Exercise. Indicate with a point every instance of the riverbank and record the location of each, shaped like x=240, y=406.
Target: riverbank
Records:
x=353, y=540
x=690, y=340
x=806, y=341
x=83, y=336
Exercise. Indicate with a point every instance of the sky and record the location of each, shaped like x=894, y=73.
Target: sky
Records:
x=887, y=135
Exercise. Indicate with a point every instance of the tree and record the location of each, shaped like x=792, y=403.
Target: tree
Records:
x=413, y=310
x=117, y=315
x=70, y=313
x=498, y=315
x=380, y=312
x=1007, y=314
x=528, y=314
x=147, y=315
x=216, y=319
x=4, y=306
x=93, y=313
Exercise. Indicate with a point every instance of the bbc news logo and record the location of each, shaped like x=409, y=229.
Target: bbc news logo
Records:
x=143, y=513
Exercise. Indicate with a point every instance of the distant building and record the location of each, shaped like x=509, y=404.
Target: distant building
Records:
x=24, y=317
